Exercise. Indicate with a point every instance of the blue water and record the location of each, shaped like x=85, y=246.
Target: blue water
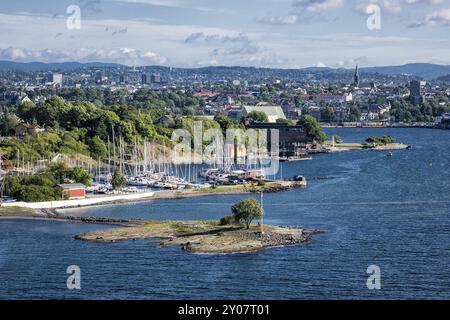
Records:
x=390, y=212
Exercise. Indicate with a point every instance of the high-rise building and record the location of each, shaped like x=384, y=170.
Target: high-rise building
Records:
x=123, y=78
x=98, y=77
x=156, y=78
x=356, y=77
x=144, y=78
x=415, y=89
x=52, y=79
x=57, y=79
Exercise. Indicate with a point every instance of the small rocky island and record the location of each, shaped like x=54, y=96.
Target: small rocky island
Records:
x=384, y=143
x=232, y=234
x=204, y=236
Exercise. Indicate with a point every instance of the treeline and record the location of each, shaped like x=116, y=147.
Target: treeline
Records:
x=159, y=102
x=44, y=186
x=87, y=127
x=86, y=121
x=405, y=111
x=402, y=110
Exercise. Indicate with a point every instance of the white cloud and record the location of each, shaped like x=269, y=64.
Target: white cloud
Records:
x=185, y=4
x=318, y=6
x=291, y=19
x=201, y=37
x=434, y=19
x=129, y=56
x=99, y=36
x=138, y=41
x=239, y=44
x=350, y=63
x=320, y=64
x=395, y=6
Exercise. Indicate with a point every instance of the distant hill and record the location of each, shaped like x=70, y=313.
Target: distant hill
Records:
x=63, y=66
x=444, y=78
x=424, y=70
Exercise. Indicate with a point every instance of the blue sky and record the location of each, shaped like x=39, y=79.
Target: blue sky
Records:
x=193, y=33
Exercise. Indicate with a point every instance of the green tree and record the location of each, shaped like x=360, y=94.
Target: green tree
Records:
x=328, y=115
x=8, y=123
x=380, y=140
x=81, y=175
x=312, y=128
x=355, y=113
x=59, y=171
x=118, y=181
x=223, y=121
x=98, y=148
x=35, y=188
x=247, y=210
x=255, y=117
x=285, y=121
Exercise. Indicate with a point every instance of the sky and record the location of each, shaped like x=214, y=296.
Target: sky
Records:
x=196, y=33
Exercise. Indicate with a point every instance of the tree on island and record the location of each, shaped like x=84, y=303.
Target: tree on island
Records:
x=118, y=181
x=246, y=211
x=312, y=128
x=380, y=140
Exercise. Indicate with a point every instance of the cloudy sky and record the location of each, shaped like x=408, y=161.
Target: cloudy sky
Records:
x=192, y=33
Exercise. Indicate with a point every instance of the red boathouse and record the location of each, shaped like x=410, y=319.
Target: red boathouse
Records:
x=73, y=191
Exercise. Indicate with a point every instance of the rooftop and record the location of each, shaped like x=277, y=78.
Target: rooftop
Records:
x=72, y=186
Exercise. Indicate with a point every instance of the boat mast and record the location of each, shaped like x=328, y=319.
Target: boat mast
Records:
x=262, y=208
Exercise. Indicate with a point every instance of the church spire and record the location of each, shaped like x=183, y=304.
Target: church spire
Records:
x=356, y=77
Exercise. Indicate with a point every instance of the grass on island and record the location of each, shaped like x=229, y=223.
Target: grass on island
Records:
x=155, y=229
x=201, y=236
x=344, y=145
x=371, y=143
x=219, y=189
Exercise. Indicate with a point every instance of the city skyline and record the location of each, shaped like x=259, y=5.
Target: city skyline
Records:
x=196, y=33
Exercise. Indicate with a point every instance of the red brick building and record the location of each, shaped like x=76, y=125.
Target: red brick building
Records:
x=72, y=191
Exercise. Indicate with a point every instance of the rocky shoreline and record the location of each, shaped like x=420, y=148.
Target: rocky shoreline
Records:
x=206, y=237
x=387, y=147
x=53, y=215
x=254, y=241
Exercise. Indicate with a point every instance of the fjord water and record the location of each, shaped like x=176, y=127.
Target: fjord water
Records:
x=393, y=212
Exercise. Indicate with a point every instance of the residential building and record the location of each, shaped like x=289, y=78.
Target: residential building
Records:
x=23, y=129
x=415, y=89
